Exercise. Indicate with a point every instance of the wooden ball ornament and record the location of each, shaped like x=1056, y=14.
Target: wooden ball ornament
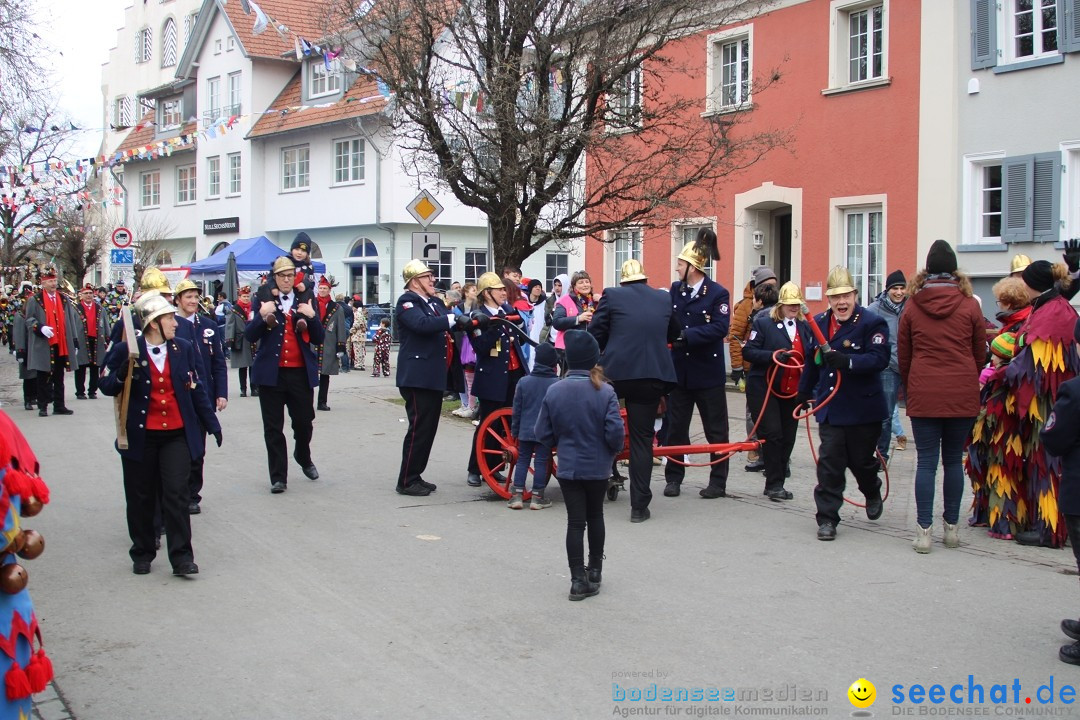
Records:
x=17, y=543
x=33, y=544
x=31, y=506
x=13, y=578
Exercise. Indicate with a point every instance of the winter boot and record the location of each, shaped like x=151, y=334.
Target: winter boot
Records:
x=952, y=536
x=516, y=502
x=580, y=587
x=923, y=539
x=539, y=502
x=596, y=564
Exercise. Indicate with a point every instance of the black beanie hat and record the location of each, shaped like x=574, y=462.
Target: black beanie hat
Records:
x=301, y=241
x=546, y=355
x=1039, y=275
x=582, y=352
x=941, y=258
x=896, y=277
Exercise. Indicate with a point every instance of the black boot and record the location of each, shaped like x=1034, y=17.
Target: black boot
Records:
x=596, y=564
x=580, y=587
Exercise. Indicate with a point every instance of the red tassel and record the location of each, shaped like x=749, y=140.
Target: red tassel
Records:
x=46, y=664
x=39, y=489
x=16, y=683
x=17, y=483
x=35, y=674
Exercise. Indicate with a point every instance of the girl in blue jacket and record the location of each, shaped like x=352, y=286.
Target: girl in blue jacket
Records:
x=528, y=396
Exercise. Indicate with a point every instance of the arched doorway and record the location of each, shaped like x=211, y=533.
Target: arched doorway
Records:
x=364, y=271
x=218, y=248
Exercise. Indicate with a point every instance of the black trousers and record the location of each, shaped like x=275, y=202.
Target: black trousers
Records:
x=50, y=385
x=423, y=407
x=324, y=388
x=162, y=474
x=243, y=372
x=845, y=446
x=711, y=405
x=29, y=390
x=1072, y=525
x=80, y=379
x=293, y=392
x=776, y=427
x=642, y=398
x=485, y=408
x=584, y=501
x=195, y=479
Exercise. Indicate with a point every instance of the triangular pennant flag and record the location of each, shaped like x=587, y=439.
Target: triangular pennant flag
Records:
x=261, y=21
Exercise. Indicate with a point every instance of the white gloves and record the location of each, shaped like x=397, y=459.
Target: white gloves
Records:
x=47, y=331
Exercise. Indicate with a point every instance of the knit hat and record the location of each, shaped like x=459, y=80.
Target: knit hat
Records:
x=533, y=283
x=1004, y=345
x=1039, y=275
x=941, y=258
x=896, y=277
x=301, y=241
x=546, y=355
x=763, y=274
x=582, y=352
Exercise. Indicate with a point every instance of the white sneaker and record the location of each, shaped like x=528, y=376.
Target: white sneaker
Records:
x=923, y=539
x=462, y=412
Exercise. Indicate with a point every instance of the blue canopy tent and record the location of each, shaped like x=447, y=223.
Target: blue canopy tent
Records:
x=254, y=256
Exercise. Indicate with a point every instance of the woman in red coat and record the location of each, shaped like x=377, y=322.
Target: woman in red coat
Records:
x=941, y=347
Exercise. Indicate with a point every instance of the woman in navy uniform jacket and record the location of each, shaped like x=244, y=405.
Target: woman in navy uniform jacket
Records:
x=499, y=360
x=168, y=416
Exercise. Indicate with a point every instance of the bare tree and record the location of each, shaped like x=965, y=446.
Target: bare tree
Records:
x=505, y=102
x=65, y=238
x=21, y=71
x=150, y=235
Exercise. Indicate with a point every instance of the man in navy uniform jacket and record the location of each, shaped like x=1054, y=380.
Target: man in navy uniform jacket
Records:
x=286, y=372
x=849, y=425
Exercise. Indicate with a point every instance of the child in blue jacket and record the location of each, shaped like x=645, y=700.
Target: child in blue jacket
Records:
x=528, y=396
x=580, y=416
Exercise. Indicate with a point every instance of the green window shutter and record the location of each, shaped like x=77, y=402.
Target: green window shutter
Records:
x=1069, y=26
x=984, y=34
x=1046, y=197
x=1017, y=182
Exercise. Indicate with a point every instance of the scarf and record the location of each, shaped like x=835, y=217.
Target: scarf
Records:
x=584, y=302
x=889, y=305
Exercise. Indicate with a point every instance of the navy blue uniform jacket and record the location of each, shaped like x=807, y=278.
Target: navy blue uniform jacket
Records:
x=766, y=337
x=205, y=335
x=865, y=339
x=195, y=407
x=264, y=368
x=633, y=325
x=528, y=396
x=422, y=326
x=585, y=425
x=492, y=378
x=1061, y=437
x=704, y=320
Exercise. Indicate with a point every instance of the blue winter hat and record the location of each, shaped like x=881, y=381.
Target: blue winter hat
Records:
x=582, y=352
x=301, y=241
x=546, y=355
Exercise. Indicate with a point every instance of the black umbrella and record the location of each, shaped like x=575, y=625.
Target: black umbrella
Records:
x=231, y=284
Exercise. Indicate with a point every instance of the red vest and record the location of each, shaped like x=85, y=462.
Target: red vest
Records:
x=90, y=310
x=789, y=381
x=164, y=411
x=54, y=317
x=290, y=349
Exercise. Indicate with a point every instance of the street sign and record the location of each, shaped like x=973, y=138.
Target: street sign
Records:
x=425, y=208
x=122, y=257
x=122, y=237
x=426, y=246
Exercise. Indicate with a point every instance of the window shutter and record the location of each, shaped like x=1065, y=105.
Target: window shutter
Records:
x=1046, y=198
x=1069, y=25
x=138, y=46
x=984, y=34
x=1017, y=182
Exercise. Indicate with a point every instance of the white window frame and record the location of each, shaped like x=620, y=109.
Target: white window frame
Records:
x=548, y=277
x=122, y=112
x=478, y=269
x=839, y=209
x=187, y=183
x=170, y=114
x=679, y=238
x=840, y=12
x=354, y=171
x=1070, y=193
x=213, y=177
x=624, y=244
x=1007, y=36
x=624, y=106
x=144, y=45
x=230, y=43
x=714, y=69
x=217, y=46
x=234, y=166
x=213, y=99
x=150, y=181
x=295, y=168
x=234, y=90
x=974, y=178
x=323, y=82
x=446, y=261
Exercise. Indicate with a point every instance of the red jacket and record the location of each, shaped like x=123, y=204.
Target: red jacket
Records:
x=941, y=349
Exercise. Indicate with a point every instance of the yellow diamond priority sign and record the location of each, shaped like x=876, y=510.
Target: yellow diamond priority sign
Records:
x=425, y=208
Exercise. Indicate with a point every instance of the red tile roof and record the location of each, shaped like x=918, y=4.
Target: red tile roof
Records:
x=362, y=98
x=310, y=20
x=144, y=132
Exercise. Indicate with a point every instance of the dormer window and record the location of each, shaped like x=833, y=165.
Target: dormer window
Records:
x=324, y=80
x=169, y=114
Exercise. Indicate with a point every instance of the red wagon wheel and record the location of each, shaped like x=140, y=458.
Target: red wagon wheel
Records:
x=497, y=453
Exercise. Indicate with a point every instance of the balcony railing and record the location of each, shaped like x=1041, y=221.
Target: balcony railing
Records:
x=214, y=115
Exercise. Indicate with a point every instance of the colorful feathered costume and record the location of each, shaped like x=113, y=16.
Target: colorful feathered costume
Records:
x=1007, y=455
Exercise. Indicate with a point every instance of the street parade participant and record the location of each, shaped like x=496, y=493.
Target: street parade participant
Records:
x=380, y=361
x=21, y=341
x=1061, y=439
x=332, y=316
x=742, y=316
x=850, y=423
x=702, y=310
x=204, y=334
x=527, y=398
x=168, y=417
x=22, y=494
x=286, y=372
x=425, y=346
x=633, y=325
x=574, y=309
x=242, y=351
x=888, y=305
x=303, y=284
x=94, y=332
x=152, y=282
x=580, y=415
x=783, y=328
x=500, y=362
x=993, y=468
x=358, y=335
x=941, y=347
x=116, y=300
x=52, y=330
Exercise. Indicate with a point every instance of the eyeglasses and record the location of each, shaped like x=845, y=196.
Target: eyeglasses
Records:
x=287, y=276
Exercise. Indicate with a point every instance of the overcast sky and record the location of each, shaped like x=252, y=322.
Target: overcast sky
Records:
x=84, y=31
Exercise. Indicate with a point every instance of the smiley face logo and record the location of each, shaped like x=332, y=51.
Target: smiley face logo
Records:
x=862, y=693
